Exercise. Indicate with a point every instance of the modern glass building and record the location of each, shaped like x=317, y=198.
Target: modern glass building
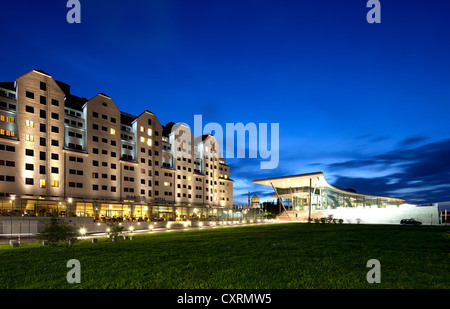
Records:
x=312, y=192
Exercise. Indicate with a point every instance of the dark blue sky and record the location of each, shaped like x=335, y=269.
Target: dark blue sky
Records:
x=367, y=104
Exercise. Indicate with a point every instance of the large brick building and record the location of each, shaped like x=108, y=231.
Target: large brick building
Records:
x=64, y=154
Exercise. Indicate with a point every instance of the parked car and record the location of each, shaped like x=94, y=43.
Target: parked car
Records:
x=410, y=222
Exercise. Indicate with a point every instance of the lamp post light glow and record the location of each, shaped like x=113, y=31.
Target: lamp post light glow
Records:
x=131, y=229
x=150, y=227
x=82, y=232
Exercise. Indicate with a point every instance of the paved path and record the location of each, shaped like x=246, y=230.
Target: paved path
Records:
x=147, y=231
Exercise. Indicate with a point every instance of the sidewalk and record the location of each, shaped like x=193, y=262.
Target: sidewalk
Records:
x=4, y=240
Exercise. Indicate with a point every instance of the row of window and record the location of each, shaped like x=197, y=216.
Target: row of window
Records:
x=42, y=169
x=42, y=140
x=7, y=119
x=7, y=133
x=95, y=115
x=42, y=154
x=42, y=183
x=42, y=99
x=7, y=178
x=4, y=105
x=111, y=130
x=7, y=148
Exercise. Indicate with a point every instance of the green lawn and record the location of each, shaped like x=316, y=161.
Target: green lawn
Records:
x=262, y=256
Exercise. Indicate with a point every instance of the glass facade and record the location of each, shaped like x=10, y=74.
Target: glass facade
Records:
x=330, y=198
x=107, y=212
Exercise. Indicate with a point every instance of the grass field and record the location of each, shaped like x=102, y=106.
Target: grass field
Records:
x=278, y=256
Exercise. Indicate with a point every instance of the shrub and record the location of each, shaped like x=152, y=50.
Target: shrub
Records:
x=114, y=230
x=56, y=232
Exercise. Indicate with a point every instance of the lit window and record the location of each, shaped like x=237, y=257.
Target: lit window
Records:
x=55, y=183
x=29, y=138
x=167, y=184
x=2, y=118
x=142, y=129
x=29, y=123
x=142, y=139
x=2, y=132
x=112, y=131
x=149, y=132
x=42, y=183
x=149, y=142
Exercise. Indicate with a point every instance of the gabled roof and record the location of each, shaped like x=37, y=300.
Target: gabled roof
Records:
x=167, y=129
x=105, y=95
x=40, y=71
x=127, y=119
x=75, y=102
x=8, y=85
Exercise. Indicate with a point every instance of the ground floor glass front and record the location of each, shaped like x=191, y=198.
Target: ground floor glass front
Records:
x=107, y=212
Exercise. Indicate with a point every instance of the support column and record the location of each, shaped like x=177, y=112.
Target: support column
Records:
x=310, y=200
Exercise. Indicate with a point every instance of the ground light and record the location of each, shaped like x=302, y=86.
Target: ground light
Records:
x=150, y=227
x=168, y=225
x=82, y=232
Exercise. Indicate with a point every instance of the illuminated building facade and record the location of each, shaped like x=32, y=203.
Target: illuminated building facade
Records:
x=310, y=196
x=66, y=155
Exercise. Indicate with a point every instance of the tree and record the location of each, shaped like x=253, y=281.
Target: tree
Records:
x=114, y=229
x=56, y=232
